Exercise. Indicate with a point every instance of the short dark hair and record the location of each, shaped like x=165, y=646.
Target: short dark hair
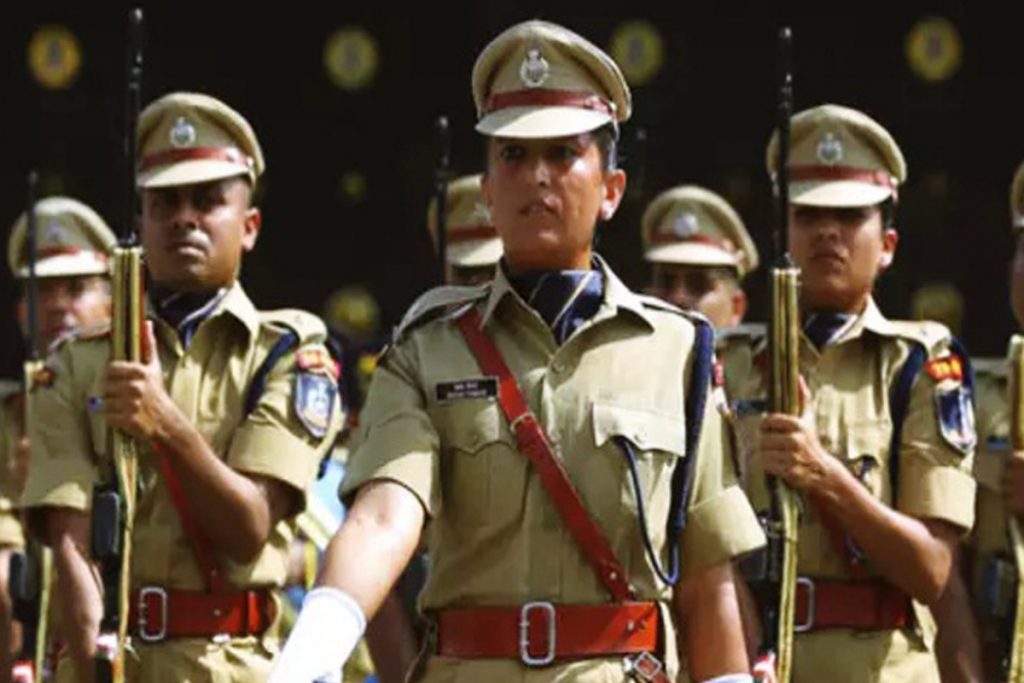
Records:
x=607, y=140
x=888, y=210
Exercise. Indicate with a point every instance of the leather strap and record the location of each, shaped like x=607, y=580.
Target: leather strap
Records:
x=534, y=444
x=196, y=539
x=471, y=233
x=823, y=172
x=544, y=97
x=578, y=631
x=862, y=605
x=697, y=238
x=231, y=155
x=156, y=614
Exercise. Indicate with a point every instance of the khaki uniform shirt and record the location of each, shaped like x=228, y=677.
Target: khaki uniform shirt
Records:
x=494, y=537
x=11, y=430
x=283, y=438
x=989, y=541
x=850, y=381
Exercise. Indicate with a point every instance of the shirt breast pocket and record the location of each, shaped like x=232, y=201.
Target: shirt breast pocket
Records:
x=641, y=450
x=483, y=473
x=866, y=454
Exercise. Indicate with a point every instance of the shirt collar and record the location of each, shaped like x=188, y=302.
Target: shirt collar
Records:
x=617, y=296
x=231, y=301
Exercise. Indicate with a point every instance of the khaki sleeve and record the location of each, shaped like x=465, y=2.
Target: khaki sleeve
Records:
x=63, y=469
x=11, y=533
x=293, y=426
x=935, y=471
x=721, y=525
x=10, y=435
x=398, y=441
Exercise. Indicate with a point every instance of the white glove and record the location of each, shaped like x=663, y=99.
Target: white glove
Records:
x=327, y=630
x=732, y=678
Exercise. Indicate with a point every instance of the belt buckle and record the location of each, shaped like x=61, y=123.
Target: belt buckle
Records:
x=643, y=667
x=524, y=633
x=808, y=622
x=145, y=634
x=23, y=672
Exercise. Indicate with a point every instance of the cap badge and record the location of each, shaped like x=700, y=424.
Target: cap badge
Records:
x=183, y=133
x=830, y=149
x=481, y=214
x=535, y=69
x=685, y=225
x=54, y=233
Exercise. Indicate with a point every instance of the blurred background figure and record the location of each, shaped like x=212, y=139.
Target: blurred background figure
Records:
x=941, y=302
x=473, y=248
x=700, y=252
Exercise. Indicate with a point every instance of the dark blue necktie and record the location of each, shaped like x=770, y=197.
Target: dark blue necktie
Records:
x=564, y=299
x=185, y=312
x=821, y=328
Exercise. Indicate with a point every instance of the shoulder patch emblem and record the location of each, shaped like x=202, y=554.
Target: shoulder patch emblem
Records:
x=946, y=367
x=315, y=394
x=956, y=417
x=43, y=377
x=317, y=359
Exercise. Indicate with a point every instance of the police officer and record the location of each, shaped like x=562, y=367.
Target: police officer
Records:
x=699, y=252
x=941, y=302
x=548, y=510
x=473, y=246
x=883, y=453
x=232, y=407
x=72, y=247
x=976, y=618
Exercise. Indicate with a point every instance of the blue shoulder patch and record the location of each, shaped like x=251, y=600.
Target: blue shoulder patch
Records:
x=315, y=394
x=956, y=417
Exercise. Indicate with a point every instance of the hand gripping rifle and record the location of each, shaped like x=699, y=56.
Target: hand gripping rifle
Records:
x=779, y=601
x=114, y=505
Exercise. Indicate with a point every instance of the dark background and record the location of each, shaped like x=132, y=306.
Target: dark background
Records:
x=706, y=117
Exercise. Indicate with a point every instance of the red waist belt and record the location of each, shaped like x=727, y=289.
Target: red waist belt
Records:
x=539, y=632
x=157, y=614
x=862, y=605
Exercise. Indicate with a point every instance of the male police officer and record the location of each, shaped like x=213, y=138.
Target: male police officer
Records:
x=72, y=247
x=233, y=409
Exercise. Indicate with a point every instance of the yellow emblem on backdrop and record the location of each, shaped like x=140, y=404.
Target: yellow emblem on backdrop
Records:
x=54, y=57
x=351, y=58
x=638, y=49
x=352, y=187
x=934, y=49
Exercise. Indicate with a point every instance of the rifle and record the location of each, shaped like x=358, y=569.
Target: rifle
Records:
x=114, y=505
x=779, y=605
x=1014, y=659
x=31, y=572
x=441, y=173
